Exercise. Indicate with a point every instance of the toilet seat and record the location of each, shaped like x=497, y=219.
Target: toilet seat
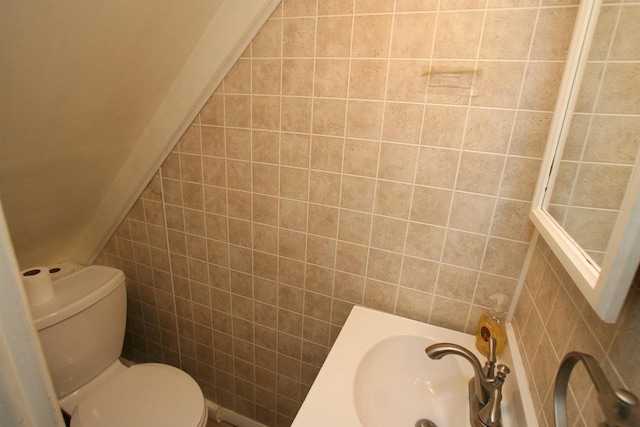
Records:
x=145, y=395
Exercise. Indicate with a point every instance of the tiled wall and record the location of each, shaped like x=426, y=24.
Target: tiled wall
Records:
x=553, y=318
x=328, y=170
x=602, y=145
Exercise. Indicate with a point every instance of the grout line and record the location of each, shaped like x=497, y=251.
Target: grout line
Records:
x=173, y=288
x=415, y=171
x=379, y=141
x=306, y=238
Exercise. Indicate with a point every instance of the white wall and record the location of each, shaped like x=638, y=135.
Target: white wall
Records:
x=85, y=85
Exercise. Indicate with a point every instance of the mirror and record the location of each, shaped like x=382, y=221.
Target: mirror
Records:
x=586, y=204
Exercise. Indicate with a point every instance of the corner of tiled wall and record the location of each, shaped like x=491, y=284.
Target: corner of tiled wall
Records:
x=553, y=318
x=326, y=171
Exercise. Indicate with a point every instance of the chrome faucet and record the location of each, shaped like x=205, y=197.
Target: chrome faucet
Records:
x=619, y=407
x=485, y=388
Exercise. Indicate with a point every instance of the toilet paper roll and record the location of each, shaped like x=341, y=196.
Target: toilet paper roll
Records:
x=58, y=271
x=38, y=285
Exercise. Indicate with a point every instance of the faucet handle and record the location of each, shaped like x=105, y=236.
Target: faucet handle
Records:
x=493, y=344
x=503, y=370
x=626, y=402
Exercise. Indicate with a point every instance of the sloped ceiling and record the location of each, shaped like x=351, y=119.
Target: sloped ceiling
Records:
x=93, y=95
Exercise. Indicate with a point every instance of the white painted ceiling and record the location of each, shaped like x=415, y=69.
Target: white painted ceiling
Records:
x=92, y=97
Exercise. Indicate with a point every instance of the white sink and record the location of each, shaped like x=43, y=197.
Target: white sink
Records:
x=377, y=374
x=397, y=384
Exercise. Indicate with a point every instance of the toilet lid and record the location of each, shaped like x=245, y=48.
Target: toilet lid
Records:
x=148, y=394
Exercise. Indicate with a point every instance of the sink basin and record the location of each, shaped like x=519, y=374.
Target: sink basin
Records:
x=397, y=384
x=377, y=374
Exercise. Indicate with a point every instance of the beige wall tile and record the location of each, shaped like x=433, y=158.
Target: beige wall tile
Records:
x=530, y=134
x=335, y=7
x=321, y=251
x=268, y=42
x=293, y=214
x=354, y=226
x=295, y=150
x=265, y=112
x=329, y=116
x=323, y=220
x=294, y=183
x=443, y=126
x=618, y=93
x=266, y=76
x=237, y=111
x=353, y=259
x=357, y=193
x=613, y=140
x=425, y=241
x=326, y=153
x=431, y=205
x=488, y=130
x=413, y=304
x=238, y=144
x=373, y=6
x=601, y=186
x=360, y=157
x=519, y=179
x=213, y=111
x=511, y=220
x=213, y=143
x=388, y=233
x=496, y=82
x=371, y=35
x=457, y=283
x=553, y=33
x=296, y=114
x=437, y=167
x=480, y=173
x=379, y=295
x=265, y=146
x=287, y=224
x=367, y=78
x=402, y=122
x=449, y=313
x=416, y=5
x=507, y=34
x=324, y=188
x=331, y=77
x=392, y=199
x=463, y=249
x=418, y=274
x=413, y=35
x=407, y=80
x=298, y=37
x=297, y=77
x=334, y=36
x=541, y=85
x=265, y=178
x=349, y=287
x=299, y=7
x=397, y=162
x=364, y=119
x=458, y=35
x=471, y=212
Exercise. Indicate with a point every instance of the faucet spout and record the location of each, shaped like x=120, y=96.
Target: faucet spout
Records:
x=619, y=407
x=438, y=351
x=485, y=388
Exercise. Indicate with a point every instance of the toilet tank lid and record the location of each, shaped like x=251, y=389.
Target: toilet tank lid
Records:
x=75, y=293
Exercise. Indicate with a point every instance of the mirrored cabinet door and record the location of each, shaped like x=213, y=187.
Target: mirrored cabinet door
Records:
x=587, y=197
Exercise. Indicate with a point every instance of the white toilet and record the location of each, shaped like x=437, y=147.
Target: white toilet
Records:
x=82, y=331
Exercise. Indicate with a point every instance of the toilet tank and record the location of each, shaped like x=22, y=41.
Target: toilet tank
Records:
x=81, y=329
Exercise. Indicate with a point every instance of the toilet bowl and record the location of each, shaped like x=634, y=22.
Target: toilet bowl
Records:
x=81, y=331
